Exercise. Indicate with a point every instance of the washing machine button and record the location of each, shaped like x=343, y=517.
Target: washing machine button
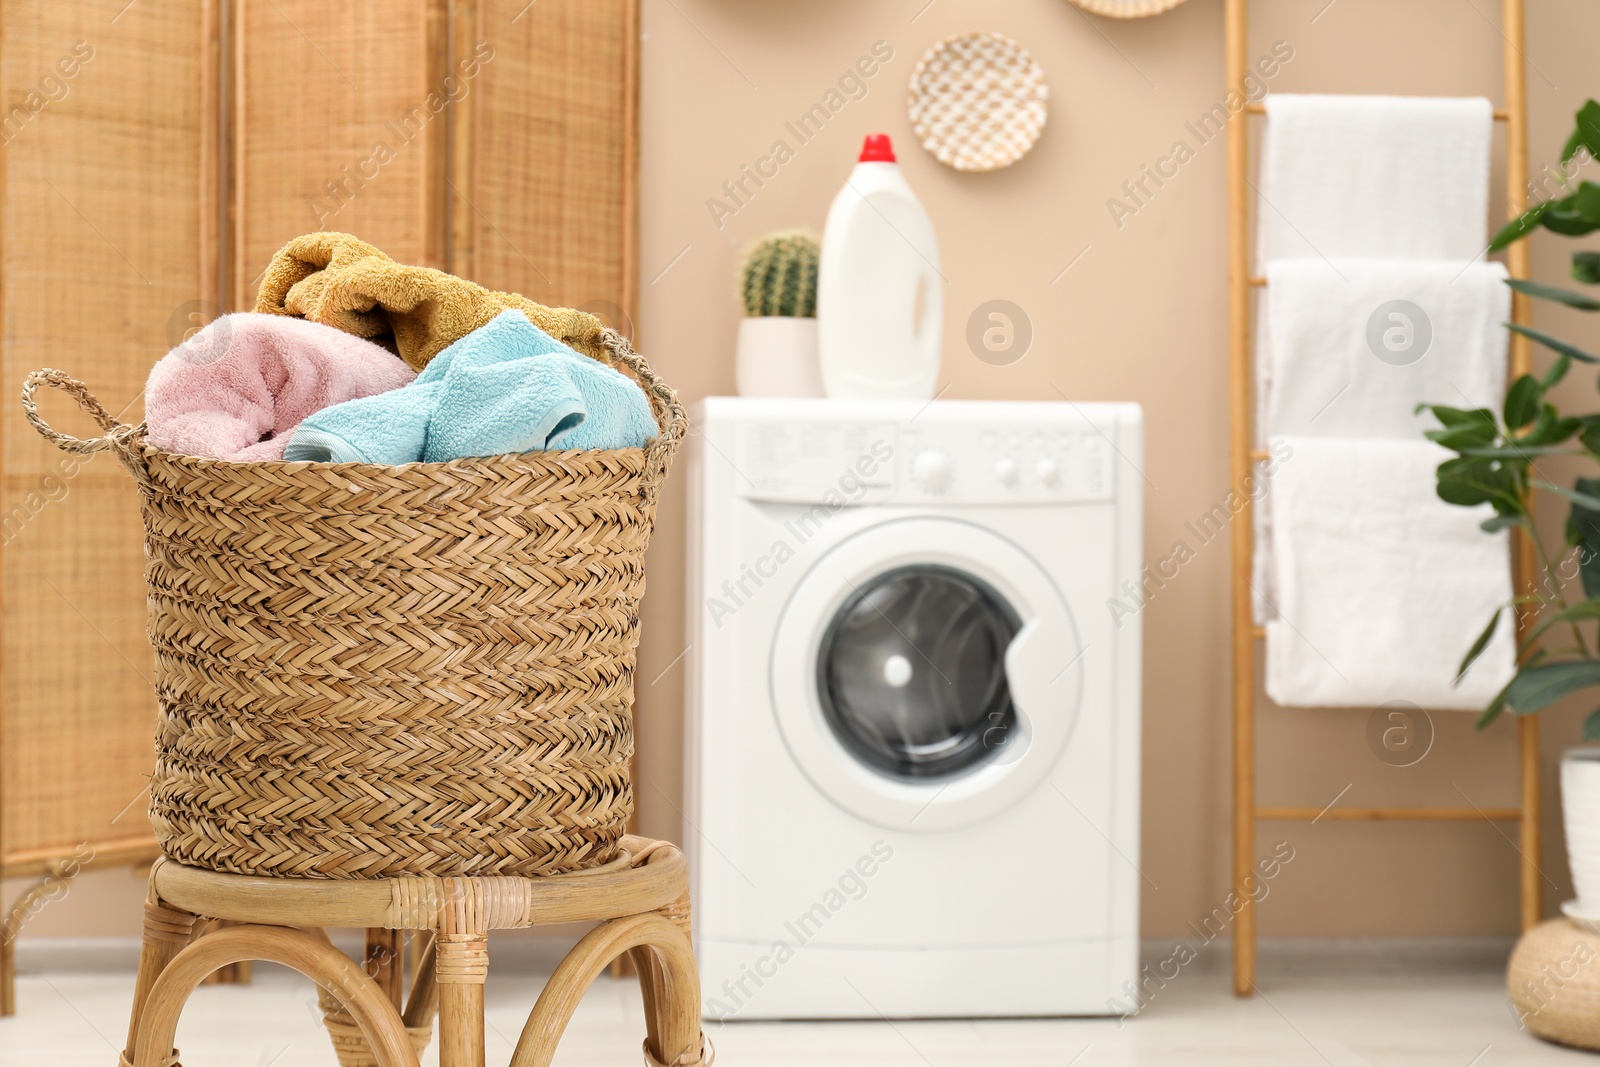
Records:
x=1047, y=471
x=1005, y=469
x=932, y=471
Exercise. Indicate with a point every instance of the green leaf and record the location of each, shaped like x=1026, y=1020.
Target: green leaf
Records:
x=1549, y=429
x=1586, y=521
x=1521, y=226
x=1585, y=495
x=1582, y=611
x=1586, y=267
x=1536, y=688
x=1518, y=451
x=1469, y=481
x=1449, y=416
x=1479, y=645
x=1591, y=437
x=1587, y=201
x=1522, y=401
x=1550, y=292
x=1555, y=344
x=1591, y=726
x=1464, y=435
x=1567, y=221
x=1496, y=523
x=1558, y=370
x=1585, y=133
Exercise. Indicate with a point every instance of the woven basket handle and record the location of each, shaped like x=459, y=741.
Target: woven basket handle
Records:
x=118, y=434
x=669, y=413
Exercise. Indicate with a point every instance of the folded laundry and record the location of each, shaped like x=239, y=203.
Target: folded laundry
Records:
x=338, y=280
x=237, y=389
x=1388, y=176
x=1357, y=344
x=1381, y=586
x=1340, y=180
x=1350, y=347
x=508, y=387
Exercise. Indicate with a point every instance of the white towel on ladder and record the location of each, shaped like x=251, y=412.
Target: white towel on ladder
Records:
x=1374, y=176
x=1340, y=179
x=1381, y=586
x=1351, y=347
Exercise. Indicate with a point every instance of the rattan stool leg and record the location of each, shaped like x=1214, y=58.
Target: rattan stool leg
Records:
x=348, y=1043
x=8, y=977
x=671, y=991
x=383, y=961
x=166, y=932
x=423, y=1000
x=461, y=967
x=313, y=957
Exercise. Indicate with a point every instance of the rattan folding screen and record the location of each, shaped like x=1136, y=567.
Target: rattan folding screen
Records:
x=163, y=151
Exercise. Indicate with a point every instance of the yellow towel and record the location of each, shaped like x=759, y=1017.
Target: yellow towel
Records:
x=415, y=312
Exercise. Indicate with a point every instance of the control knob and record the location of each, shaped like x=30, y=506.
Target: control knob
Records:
x=932, y=471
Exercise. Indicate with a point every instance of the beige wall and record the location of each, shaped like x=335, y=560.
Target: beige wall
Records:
x=1140, y=316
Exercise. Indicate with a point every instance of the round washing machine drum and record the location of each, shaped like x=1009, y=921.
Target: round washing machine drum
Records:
x=911, y=672
x=926, y=673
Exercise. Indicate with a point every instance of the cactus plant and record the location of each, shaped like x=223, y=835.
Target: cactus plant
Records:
x=779, y=275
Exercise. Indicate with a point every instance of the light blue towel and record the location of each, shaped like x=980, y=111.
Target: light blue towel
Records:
x=387, y=428
x=507, y=387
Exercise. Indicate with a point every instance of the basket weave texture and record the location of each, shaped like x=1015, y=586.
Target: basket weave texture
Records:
x=366, y=671
x=1554, y=981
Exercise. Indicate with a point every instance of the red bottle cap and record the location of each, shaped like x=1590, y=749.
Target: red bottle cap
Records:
x=877, y=149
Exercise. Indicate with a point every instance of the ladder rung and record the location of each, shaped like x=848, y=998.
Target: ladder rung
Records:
x=1389, y=814
x=1500, y=114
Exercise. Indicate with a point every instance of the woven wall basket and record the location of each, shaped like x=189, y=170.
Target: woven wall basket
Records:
x=365, y=671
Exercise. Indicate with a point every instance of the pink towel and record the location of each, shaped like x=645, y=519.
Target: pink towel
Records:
x=238, y=388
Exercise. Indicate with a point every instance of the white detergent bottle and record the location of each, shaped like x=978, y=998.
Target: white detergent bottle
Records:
x=880, y=293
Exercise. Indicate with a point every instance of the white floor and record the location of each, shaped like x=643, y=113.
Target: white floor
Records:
x=1320, y=1005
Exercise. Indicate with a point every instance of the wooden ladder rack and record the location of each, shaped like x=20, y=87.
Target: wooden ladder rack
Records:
x=1246, y=811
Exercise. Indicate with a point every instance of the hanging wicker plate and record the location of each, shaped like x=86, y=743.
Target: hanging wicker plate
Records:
x=978, y=101
x=1127, y=9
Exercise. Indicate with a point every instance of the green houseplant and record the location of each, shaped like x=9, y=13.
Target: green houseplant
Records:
x=777, y=353
x=1496, y=458
x=1496, y=463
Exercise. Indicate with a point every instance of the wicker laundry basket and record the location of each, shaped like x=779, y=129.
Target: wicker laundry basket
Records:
x=366, y=671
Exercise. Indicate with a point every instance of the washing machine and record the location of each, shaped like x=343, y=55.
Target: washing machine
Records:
x=912, y=751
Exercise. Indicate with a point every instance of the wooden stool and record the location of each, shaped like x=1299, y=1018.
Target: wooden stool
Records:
x=641, y=899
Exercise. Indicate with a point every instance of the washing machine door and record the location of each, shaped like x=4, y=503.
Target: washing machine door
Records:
x=926, y=674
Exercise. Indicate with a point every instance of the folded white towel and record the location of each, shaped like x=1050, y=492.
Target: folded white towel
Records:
x=1362, y=176
x=1356, y=345
x=1350, y=347
x=1382, y=586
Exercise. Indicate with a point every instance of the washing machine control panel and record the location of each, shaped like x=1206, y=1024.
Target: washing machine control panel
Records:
x=860, y=462
x=989, y=464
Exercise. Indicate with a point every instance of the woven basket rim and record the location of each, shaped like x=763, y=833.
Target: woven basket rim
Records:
x=139, y=442
x=129, y=440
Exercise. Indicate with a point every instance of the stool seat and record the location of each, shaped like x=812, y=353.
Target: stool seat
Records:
x=644, y=876
x=640, y=900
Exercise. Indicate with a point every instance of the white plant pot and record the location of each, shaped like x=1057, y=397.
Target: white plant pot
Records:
x=1580, y=809
x=778, y=357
